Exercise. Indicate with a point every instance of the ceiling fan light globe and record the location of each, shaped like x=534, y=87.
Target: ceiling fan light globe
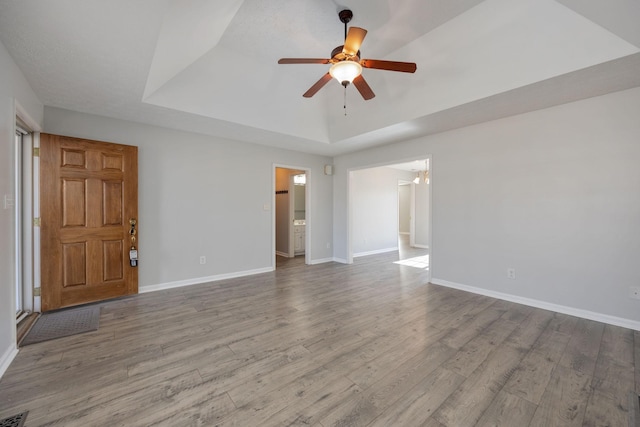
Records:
x=345, y=71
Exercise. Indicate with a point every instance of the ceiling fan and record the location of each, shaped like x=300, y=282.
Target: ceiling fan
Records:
x=346, y=63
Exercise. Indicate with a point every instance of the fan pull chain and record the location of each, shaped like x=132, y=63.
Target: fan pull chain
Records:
x=345, y=101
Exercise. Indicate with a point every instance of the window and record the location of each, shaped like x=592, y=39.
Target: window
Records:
x=300, y=179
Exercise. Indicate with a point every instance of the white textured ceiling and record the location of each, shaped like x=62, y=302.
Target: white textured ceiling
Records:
x=211, y=66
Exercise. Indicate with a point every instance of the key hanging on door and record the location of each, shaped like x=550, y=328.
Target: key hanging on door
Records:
x=133, y=252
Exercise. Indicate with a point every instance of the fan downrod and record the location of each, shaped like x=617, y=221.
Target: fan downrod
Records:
x=345, y=16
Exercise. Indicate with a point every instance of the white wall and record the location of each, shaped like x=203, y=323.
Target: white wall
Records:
x=13, y=89
x=200, y=195
x=374, y=209
x=404, y=208
x=553, y=193
x=422, y=214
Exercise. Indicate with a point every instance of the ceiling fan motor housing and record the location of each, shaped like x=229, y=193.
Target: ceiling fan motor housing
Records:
x=337, y=54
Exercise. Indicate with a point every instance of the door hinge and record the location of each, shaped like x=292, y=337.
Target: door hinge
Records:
x=36, y=151
x=36, y=222
x=36, y=292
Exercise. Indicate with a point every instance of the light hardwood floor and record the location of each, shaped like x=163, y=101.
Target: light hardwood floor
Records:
x=370, y=344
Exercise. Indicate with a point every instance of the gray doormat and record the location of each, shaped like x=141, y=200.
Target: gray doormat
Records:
x=14, y=421
x=63, y=324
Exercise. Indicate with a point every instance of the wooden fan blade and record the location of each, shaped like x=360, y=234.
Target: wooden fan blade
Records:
x=405, y=67
x=317, y=86
x=363, y=87
x=303, y=61
x=353, y=41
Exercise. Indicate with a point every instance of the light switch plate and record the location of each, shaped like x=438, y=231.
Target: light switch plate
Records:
x=7, y=202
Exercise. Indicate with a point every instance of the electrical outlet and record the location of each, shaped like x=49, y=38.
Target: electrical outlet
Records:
x=511, y=273
x=203, y=259
x=328, y=245
x=634, y=292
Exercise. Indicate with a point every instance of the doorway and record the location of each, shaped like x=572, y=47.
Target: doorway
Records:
x=373, y=210
x=291, y=214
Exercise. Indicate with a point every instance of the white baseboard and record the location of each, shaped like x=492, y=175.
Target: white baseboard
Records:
x=321, y=261
x=7, y=358
x=284, y=254
x=416, y=245
x=585, y=314
x=199, y=280
x=405, y=233
x=340, y=260
x=377, y=251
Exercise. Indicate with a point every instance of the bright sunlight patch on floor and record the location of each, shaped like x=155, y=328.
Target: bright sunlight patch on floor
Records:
x=417, y=262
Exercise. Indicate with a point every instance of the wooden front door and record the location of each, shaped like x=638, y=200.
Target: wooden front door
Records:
x=88, y=195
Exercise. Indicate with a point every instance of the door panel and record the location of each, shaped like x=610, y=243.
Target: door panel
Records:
x=112, y=196
x=113, y=254
x=89, y=192
x=74, y=256
x=73, y=203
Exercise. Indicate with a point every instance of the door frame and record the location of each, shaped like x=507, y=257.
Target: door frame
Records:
x=29, y=206
x=292, y=212
x=307, y=207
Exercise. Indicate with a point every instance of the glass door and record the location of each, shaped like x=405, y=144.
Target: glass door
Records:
x=18, y=223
